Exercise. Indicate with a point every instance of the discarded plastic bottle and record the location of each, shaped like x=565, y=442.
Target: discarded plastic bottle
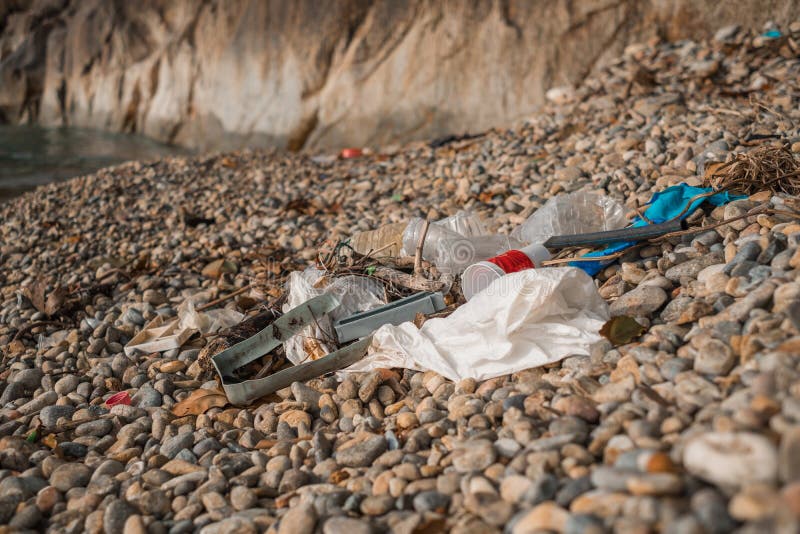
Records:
x=384, y=241
x=450, y=251
x=479, y=276
x=465, y=223
x=580, y=212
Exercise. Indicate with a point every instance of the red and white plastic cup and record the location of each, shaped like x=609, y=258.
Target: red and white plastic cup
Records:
x=479, y=276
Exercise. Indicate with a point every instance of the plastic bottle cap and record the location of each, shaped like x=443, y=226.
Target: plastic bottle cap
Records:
x=478, y=277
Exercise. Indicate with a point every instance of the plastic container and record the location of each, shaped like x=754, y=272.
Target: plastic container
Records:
x=450, y=251
x=580, y=212
x=388, y=235
x=479, y=276
x=465, y=223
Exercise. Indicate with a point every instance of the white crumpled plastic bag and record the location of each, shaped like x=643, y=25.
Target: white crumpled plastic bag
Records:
x=522, y=320
x=355, y=293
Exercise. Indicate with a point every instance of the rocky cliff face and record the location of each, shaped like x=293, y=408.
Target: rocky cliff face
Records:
x=310, y=74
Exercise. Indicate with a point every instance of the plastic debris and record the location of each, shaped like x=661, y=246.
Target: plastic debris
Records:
x=231, y=361
x=354, y=293
x=464, y=222
x=349, y=153
x=450, y=251
x=673, y=202
x=479, y=276
x=523, y=320
x=158, y=336
x=56, y=338
x=206, y=322
x=388, y=239
x=580, y=212
x=397, y=312
x=123, y=397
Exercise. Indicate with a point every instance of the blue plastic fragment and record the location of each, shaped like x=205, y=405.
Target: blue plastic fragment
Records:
x=772, y=34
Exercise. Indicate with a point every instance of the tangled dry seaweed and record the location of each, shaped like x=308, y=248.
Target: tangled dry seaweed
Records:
x=767, y=167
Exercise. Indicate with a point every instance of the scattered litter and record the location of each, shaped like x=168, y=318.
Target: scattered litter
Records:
x=353, y=293
x=450, y=251
x=580, y=212
x=479, y=276
x=523, y=320
x=631, y=233
x=365, y=323
x=200, y=401
x=674, y=203
x=622, y=329
x=231, y=360
x=206, y=322
x=517, y=315
x=349, y=153
x=158, y=336
x=386, y=240
x=123, y=397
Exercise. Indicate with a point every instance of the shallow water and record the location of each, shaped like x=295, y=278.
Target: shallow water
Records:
x=32, y=156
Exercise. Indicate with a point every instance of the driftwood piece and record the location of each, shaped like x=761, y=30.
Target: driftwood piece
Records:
x=399, y=278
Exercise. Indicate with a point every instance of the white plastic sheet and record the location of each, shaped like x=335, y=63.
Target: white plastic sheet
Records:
x=523, y=320
x=356, y=294
x=209, y=321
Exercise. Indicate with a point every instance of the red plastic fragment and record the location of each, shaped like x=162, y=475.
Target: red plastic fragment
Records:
x=348, y=153
x=118, y=398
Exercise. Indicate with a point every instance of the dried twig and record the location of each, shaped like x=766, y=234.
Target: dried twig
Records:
x=71, y=425
x=36, y=324
x=420, y=244
x=751, y=213
x=227, y=297
x=415, y=283
x=613, y=256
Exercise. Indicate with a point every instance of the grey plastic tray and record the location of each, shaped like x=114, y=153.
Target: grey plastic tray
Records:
x=406, y=309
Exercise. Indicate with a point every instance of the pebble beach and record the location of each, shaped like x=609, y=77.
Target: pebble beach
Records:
x=692, y=427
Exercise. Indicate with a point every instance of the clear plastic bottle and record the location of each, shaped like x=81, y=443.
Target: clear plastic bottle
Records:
x=450, y=251
x=388, y=235
x=569, y=214
x=465, y=223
